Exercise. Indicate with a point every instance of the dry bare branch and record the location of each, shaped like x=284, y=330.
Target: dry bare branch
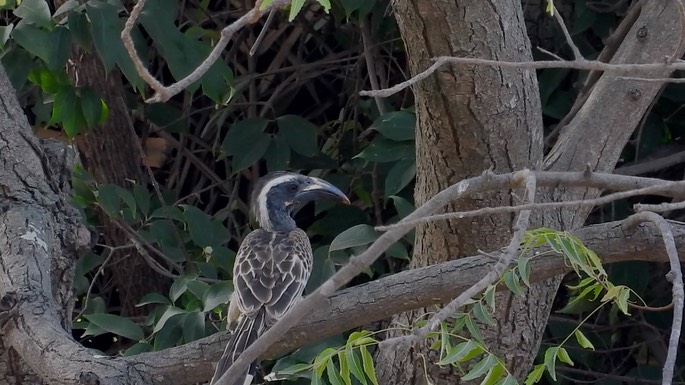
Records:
x=675, y=276
x=164, y=93
x=644, y=69
x=485, y=182
x=493, y=275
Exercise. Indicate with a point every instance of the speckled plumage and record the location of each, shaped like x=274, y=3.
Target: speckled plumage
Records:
x=273, y=263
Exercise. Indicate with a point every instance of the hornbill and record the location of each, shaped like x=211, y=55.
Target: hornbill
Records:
x=273, y=262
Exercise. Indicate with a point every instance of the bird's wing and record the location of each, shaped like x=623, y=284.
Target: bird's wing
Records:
x=271, y=271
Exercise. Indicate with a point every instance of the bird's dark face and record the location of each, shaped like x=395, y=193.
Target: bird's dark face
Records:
x=277, y=194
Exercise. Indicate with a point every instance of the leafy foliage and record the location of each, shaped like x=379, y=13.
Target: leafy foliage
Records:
x=459, y=340
x=294, y=105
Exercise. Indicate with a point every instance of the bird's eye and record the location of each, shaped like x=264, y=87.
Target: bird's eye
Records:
x=292, y=187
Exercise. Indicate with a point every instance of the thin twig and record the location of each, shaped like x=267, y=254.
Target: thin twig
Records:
x=676, y=277
x=97, y=273
x=548, y=205
x=652, y=165
x=587, y=65
x=505, y=260
x=576, y=52
x=163, y=93
x=466, y=187
x=371, y=65
x=262, y=33
x=660, y=208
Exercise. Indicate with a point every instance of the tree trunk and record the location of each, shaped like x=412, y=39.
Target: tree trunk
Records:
x=470, y=119
x=111, y=152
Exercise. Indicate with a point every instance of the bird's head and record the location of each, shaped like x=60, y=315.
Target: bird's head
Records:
x=277, y=193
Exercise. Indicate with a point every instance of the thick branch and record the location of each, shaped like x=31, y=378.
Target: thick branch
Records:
x=412, y=289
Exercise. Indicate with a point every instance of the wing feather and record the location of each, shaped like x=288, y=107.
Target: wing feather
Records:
x=271, y=272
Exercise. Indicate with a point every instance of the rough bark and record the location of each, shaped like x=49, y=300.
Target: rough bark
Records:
x=473, y=118
x=469, y=119
x=594, y=138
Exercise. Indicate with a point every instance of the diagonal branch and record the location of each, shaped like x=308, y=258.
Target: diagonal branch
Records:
x=357, y=264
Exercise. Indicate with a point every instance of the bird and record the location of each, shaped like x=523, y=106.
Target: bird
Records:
x=273, y=263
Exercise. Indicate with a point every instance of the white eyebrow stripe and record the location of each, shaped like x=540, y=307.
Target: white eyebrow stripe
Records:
x=263, y=216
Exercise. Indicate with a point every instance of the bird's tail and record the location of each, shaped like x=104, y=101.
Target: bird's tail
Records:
x=247, y=332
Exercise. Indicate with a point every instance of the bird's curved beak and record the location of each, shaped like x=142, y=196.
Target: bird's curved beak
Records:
x=319, y=189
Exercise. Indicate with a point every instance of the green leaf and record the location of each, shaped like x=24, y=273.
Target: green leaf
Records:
x=354, y=363
x=246, y=142
x=358, y=235
x=622, y=300
x=551, y=361
x=399, y=176
x=278, y=154
x=483, y=315
x=473, y=329
x=489, y=297
x=403, y=206
x=142, y=196
x=396, y=125
x=93, y=330
x=177, y=288
x=321, y=361
x=35, y=12
x=193, y=326
x=535, y=375
x=332, y=373
x=183, y=52
x=140, y=347
x=511, y=280
x=198, y=288
x=508, y=380
x=344, y=368
x=482, y=367
x=199, y=226
x=563, y=356
x=524, y=269
x=223, y=257
x=109, y=200
x=494, y=374
x=169, y=335
x=151, y=298
x=288, y=372
x=299, y=133
x=18, y=63
x=217, y=294
x=169, y=313
x=105, y=30
x=67, y=110
x=91, y=106
x=460, y=351
x=127, y=198
x=79, y=26
x=326, y=4
x=50, y=46
x=369, y=367
x=357, y=336
x=117, y=325
x=88, y=262
x=295, y=8
x=5, y=32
